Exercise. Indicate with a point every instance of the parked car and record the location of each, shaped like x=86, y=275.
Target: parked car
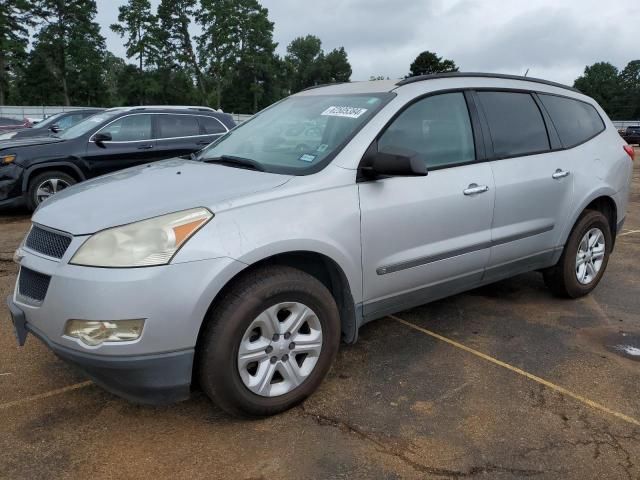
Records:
x=33, y=169
x=7, y=124
x=240, y=270
x=632, y=135
x=56, y=123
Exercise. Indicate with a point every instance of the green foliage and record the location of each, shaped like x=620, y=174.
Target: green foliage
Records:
x=629, y=103
x=15, y=20
x=601, y=81
x=428, y=63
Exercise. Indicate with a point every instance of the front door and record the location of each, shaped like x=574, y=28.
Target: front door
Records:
x=132, y=143
x=426, y=237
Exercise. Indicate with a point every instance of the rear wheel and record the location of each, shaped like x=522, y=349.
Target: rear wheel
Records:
x=584, y=258
x=46, y=184
x=269, y=343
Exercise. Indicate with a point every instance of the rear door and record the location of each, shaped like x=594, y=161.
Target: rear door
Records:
x=178, y=134
x=534, y=186
x=427, y=237
x=132, y=143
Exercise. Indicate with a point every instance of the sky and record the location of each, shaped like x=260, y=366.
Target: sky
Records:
x=553, y=39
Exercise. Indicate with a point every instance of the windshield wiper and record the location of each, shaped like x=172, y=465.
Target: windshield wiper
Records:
x=234, y=161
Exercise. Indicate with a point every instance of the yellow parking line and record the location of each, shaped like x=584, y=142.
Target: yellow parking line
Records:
x=517, y=370
x=629, y=232
x=40, y=396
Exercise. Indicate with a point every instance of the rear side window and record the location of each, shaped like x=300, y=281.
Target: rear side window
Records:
x=170, y=126
x=438, y=128
x=575, y=121
x=211, y=126
x=515, y=123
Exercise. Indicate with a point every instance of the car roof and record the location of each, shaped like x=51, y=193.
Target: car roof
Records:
x=496, y=80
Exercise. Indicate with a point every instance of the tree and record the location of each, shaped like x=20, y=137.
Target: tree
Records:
x=337, y=66
x=428, y=63
x=72, y=49
x=138, y=24
x=305, y=59
x=629, y=104
x=176, y=49
x=15, y=21
x=601, y=82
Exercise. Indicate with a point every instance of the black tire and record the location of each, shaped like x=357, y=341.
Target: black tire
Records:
x=251, y=295
x=561, y=279
x=35, y=182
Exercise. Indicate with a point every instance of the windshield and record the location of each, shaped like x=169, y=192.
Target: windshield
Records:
x=87, y=124
x=48, y=121
x=298, y=135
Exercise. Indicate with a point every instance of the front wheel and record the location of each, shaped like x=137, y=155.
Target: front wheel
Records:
x=584, y=258
x=45, y=185
x=269, y=342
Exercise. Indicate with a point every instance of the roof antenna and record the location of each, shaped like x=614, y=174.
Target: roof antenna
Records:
x=526, y=73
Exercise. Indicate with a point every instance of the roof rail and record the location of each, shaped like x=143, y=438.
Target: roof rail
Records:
x=170, y=107
x=420, y=78
x=322, y=85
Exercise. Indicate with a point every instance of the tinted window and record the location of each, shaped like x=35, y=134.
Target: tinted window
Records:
x=130, y=128
x=574, y=120
x=69, y=121
x=437, y=127
x=515, y=123
x=211, y=126
x=177, y=126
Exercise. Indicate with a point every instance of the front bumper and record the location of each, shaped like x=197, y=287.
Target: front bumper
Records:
x=173, y=299
x=11, y=186
x=153, y=379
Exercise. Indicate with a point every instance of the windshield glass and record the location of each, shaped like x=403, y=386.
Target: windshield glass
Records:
x=48, y=121
x=87, y=124
x=298, y=135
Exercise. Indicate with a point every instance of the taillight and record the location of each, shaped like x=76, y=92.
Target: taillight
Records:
x=630, y=151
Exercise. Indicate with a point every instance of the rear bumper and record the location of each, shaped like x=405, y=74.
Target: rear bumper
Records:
x=151, y=379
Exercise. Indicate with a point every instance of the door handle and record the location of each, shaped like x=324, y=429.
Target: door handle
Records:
x=559, y=173
x=145, y=147
x=474, y=189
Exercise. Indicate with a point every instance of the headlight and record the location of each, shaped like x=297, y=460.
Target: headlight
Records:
x=6, y=159
x=94, y=333
x=149, y=242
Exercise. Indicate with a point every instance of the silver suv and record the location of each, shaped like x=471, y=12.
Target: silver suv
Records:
x=240, y=269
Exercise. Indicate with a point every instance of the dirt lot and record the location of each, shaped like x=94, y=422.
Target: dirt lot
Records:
x=501, y=382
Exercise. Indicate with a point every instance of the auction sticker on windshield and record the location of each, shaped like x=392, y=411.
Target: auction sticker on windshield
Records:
x=348, y=112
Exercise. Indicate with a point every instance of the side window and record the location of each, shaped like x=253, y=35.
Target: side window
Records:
x=70, y=121
x=515, y=123
x=437, y=127
x=211, y=126
x=170, y=126
x=130, y=128
x=574, y=120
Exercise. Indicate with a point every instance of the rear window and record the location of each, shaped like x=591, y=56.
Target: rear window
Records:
x=515, y=123
x=211, y=126
x=575, y=121
x=170, y=126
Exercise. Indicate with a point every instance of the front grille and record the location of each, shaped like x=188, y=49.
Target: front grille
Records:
x=33, y=285
x=47, y=242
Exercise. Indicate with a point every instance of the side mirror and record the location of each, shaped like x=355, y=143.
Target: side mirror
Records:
x=399, y=163
x=102, y=137
x=55, y=128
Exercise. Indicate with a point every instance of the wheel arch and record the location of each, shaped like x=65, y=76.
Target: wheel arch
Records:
x=602, y=201
x=316, y=264
x=66, y=167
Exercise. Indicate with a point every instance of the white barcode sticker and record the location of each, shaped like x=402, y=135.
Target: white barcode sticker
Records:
x=348, y=112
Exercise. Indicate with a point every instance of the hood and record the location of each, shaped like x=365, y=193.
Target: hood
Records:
x=148, y=191
x=28, y=142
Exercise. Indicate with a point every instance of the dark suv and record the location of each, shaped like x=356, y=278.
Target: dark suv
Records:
x=33, y=169
x=54, y=124
x=632, y=135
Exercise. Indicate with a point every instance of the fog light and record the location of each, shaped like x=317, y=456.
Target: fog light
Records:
x=95, y=333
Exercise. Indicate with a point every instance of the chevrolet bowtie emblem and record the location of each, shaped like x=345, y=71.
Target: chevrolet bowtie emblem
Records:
x=18, y=256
